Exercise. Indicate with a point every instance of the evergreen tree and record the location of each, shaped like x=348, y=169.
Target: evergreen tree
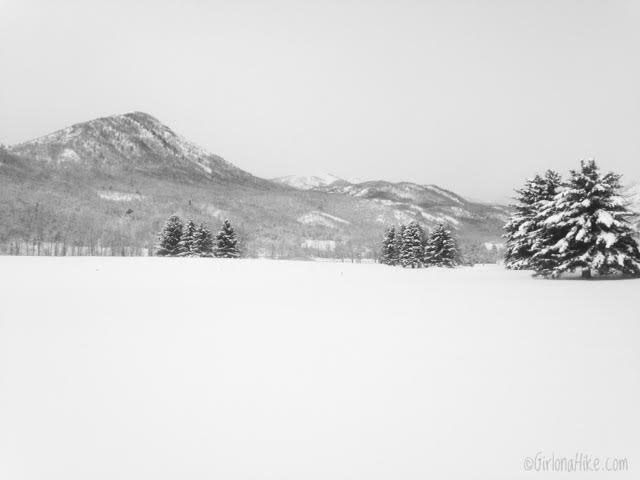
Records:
x=202, y=245
x=186, y=244
x=521, y=244
x=423, y=236
x=412, y=254
x=399, y=243
x=389, y=254
x=586, y=227
x=540, y=235
x=441, y=248
x=169, y=237
x=517, y=248
x=226, y=242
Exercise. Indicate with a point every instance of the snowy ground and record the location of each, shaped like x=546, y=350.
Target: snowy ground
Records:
x=151, y=368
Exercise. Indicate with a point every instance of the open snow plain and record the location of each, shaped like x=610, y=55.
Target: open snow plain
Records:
x=148, y=368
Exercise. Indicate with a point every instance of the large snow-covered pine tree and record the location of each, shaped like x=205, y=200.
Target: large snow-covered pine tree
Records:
x=441, y=250
x=226, y=242
x=586, y=228
x=389, y=254
x=169, y=238
x=517, y=248
x=186, y=244
x=521, y=243
x=412, y=254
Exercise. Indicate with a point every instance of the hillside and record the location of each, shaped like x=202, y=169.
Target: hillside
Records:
x=108, y=185
x=307, y=182
x=133, y=142
x=428, y=204
x=632, y=193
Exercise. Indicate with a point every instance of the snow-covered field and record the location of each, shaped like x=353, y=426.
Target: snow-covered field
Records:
x=150, y=368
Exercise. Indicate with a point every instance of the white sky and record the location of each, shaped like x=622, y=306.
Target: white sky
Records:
x=473, y=95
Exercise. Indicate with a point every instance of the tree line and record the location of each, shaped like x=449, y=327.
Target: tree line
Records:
x=179, y=239
x=579, y=224
x=411, y=247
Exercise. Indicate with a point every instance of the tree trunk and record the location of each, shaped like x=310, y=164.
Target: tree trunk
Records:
x=586, y=273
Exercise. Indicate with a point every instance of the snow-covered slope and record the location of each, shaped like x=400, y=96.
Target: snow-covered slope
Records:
x=167, y=369
x=400, y=202
x=323, y=219
x=307, y=182
x=134, y=141
x=632, y=193
x=404, y=202
x=401, y=191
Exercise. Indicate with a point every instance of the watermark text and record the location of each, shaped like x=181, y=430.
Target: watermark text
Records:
x=580, y=462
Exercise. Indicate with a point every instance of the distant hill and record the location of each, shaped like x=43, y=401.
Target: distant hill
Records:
x=632, y=193
x=133, y=142
x=109, y=184
x=307, y=182
x=428, y=204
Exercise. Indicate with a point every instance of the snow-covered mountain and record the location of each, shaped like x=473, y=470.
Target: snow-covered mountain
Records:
x=427, y=204
x=402, y=202
x=307, y=182
x=632, y=193
x=114, y=181
x=400, y=191
x=132, y=141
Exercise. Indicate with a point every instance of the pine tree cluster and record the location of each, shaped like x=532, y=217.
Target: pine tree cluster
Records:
x=581, y=224
x=410, y=247
x=178, y=239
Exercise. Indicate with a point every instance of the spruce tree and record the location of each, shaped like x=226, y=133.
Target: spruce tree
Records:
x=586, y=228
x=423, y=236
x=539, y=235
x=226, y=242
x=441, y=248
x=389, y=254
x=399, y=243
x=186, y=244
x=202, y=245
x=517, y=248
x=169, y=237
x=412, y=250
x=522, y=229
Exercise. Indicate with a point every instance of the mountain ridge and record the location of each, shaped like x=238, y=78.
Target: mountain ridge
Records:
x=308, y=182
x=134, y=140
x=116, y=179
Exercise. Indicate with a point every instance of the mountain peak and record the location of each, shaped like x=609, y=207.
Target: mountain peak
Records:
x=139, y=114
x=141, y=117
x=308, y=182
x=130, y=141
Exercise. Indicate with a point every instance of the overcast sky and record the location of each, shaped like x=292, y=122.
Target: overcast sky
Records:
x=473, y=96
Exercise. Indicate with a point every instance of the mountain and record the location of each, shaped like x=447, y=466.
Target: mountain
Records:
x=308, y=182
x=632, y=194
x=404, y=201
x=131, y=142
x=404, y=192
x=108, y=185
x=427, y=204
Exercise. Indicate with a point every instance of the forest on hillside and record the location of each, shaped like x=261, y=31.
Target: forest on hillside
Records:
x=69, y=210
